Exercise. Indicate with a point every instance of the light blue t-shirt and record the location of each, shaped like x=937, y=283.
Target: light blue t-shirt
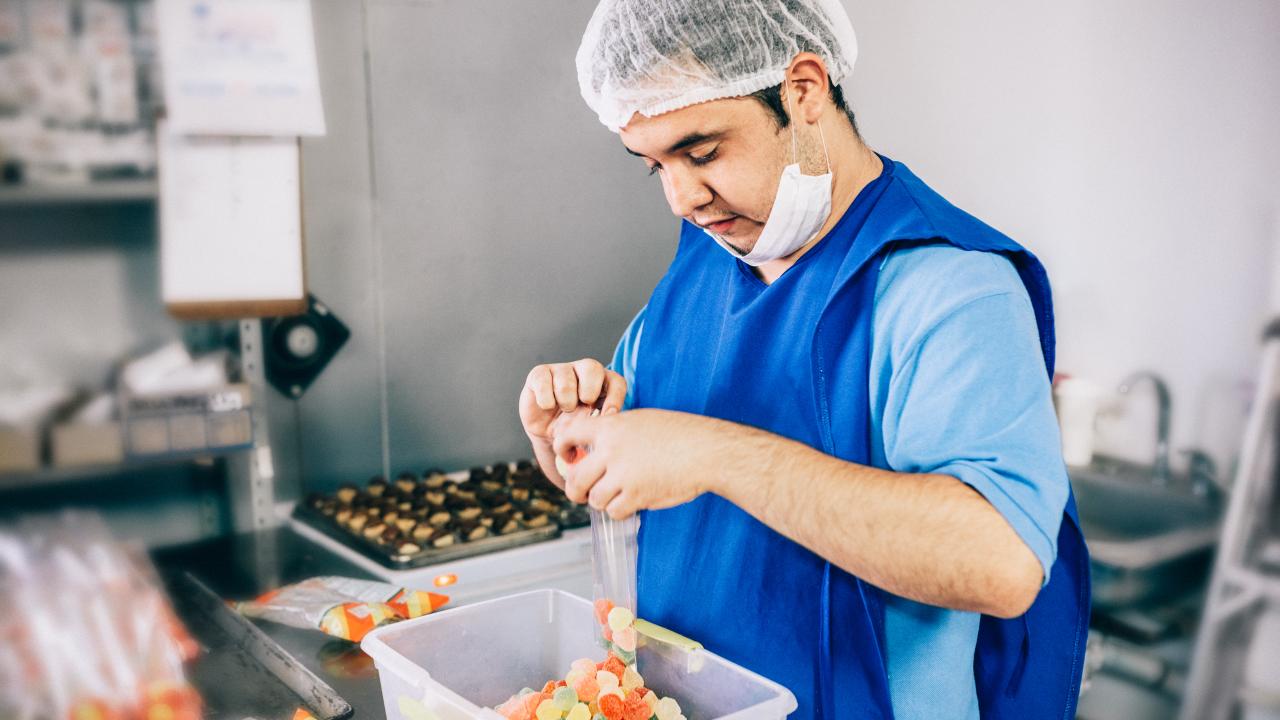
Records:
x=957, y=387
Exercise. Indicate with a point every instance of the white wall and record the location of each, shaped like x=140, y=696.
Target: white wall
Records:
x=1134, y=146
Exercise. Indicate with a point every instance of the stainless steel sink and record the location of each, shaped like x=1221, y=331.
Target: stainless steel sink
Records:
x=1146, y=541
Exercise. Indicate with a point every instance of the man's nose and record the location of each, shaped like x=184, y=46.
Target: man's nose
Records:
x=685, y=193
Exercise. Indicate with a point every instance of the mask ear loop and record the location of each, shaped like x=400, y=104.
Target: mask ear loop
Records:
x=795, y=153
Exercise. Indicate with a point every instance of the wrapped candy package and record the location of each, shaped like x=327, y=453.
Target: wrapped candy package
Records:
x=345, y=608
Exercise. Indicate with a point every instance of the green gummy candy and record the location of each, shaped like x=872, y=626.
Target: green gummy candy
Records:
x=565, y=698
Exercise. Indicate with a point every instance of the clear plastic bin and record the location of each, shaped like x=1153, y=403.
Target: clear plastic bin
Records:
x=460, y=663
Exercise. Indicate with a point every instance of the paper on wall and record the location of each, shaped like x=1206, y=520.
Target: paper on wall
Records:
x=240, y=67
x=230, y=219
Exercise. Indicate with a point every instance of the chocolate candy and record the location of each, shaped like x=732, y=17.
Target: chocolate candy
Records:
x=472, y=530
x=534, y=519
x=347, y=492
x=405, y=482
x=377, y=486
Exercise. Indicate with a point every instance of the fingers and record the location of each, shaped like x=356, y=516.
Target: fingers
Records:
x=539, y=384
x=582, y=476
x=591, y=380
x=603, y=492
x=620, y=507
x=615, y=393
x=572, y=432
x=565, y=386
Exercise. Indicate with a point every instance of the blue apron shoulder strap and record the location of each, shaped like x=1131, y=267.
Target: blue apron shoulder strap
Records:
x=1029, y=666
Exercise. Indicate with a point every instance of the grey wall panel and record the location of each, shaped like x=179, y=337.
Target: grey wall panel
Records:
x=338, y=423
x=513, y=227
x=79, y=287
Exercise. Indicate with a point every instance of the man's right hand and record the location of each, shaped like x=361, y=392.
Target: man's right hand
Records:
x=557, y=389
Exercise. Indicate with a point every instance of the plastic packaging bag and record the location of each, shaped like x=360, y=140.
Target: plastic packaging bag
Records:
x=88, y=632
x=345, y=608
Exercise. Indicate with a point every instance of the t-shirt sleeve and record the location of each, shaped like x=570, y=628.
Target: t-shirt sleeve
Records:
x=624, y=355
x=968, y=396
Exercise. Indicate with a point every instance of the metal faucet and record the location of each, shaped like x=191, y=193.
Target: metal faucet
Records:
x=1160, y=470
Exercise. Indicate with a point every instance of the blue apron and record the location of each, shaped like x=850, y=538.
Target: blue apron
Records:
x=792, y=358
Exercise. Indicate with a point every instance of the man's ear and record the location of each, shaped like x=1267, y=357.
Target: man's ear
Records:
x=809, y=86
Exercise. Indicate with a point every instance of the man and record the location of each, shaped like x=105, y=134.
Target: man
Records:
x=838, y=427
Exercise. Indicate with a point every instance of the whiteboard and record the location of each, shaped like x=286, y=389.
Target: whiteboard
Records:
x=230, y=226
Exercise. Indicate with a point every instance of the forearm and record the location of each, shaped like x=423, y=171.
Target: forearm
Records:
x=926, y=537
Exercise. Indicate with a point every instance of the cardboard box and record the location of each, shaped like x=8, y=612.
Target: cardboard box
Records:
x=187, y=423
x=76, y=444
x=19, y=449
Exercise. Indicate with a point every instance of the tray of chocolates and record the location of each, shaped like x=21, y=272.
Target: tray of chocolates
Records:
x=415, y=520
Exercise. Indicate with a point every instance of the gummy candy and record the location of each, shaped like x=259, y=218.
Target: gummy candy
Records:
x=627, y=658
x=615, y=665
x=667, y=709
x=580, y=712
x=565, y=698
x=631, y=679
x=620, y=617
x=635, y=708
x=512, y=709
x=603, y=606
x=575, y=675
x=547, y=710
x=531, y=703
x=587, y=666
x=612, y=706
x=606, y=679
x=599, y=716
x=549, y=688
x=625, y=639
x=587, y=688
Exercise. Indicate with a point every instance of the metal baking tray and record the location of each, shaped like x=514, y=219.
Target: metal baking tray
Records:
x=428, y=556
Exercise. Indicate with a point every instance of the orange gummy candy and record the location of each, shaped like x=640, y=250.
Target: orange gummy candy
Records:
x=613, y=707
x=615, y=665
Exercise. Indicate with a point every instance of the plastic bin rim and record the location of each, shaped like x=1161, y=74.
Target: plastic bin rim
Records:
x=412, y=673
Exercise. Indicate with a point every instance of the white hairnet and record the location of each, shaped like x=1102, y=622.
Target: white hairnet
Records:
x=654, y=56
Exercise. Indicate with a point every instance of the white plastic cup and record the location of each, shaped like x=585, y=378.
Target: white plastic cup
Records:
x=1077, y=402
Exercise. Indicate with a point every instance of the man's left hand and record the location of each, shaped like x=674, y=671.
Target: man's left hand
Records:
x=638, y=460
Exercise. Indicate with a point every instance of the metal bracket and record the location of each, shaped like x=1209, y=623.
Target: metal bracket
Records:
x=253, y=472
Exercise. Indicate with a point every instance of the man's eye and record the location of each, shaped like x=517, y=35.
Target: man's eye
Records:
x=704, y=159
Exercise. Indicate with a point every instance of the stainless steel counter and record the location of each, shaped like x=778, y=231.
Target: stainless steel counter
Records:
x=242, y=566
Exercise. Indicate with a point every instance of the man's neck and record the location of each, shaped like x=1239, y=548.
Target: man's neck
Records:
x=853, y=167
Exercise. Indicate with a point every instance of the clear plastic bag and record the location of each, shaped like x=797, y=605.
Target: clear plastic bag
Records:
x=613, y=565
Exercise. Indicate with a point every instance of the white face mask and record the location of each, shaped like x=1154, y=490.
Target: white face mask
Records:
x=800, y=208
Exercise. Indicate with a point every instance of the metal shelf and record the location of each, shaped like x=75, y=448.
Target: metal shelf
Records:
x=60, y=475
x=141, y=190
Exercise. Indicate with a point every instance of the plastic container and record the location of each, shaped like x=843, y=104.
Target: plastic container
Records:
x=460, y=663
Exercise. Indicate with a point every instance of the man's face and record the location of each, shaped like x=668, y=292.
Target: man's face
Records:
x=719, y=163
